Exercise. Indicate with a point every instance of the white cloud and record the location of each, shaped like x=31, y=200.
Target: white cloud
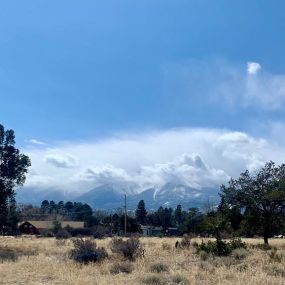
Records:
x=36, y=142
x=238, y=86
x=185, y=169
x=196, y=157
x=253, y=67
x=61, y=160
x=239, y=148
x=105, y=174
x=264, y=91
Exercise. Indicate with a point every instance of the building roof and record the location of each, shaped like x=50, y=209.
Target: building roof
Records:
x=172, y=229
x=151, y=228
x=50, y=224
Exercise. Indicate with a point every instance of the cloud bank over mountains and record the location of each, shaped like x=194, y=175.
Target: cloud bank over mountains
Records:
x=195, y=157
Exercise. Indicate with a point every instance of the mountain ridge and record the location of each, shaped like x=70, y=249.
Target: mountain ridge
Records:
x=111, y=197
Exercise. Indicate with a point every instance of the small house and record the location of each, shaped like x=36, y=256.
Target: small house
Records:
x=150, y=231
x=37, y=227
x=173, y=232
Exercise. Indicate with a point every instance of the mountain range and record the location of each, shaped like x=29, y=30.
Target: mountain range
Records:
x=111, y=196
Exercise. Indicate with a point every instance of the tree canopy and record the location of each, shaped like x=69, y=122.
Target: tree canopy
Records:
x=13, y=169
x=260, y=196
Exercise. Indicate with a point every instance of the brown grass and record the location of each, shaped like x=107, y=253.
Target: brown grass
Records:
x=43, y=261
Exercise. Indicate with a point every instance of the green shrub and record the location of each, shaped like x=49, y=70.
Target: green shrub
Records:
x=223, y=248
x=122, y=267
x=237, y=243
x=220, y=247
x=86, y=251
x=129, y=249
x=159, y=267
x=56, y=227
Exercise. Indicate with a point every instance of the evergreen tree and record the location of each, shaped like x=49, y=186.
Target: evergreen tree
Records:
x=163, y=217
x=45, y=206
x=116, y=223
x=68, y=206
x=13, y=168
x=193, y=221
x=178, y=215
x=168, y=221
x=141, y=213
x=52, y=207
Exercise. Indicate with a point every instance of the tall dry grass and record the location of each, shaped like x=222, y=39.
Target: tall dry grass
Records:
x=44, y=261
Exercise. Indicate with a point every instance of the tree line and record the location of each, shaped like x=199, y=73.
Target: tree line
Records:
x=50, y=210
x=252, y=204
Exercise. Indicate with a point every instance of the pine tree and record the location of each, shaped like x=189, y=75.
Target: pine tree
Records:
x=178, y=215
x=13, y=168
x=141, y=212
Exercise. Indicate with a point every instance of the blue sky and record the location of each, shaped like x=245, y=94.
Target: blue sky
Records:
x=79, y=69
x=83, y=71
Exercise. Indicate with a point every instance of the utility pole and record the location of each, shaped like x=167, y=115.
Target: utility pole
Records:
x=125, y=214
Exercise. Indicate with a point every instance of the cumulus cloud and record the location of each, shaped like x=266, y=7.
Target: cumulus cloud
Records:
x=186, y=169
x=240, y=148
x=61, y=160
x=195, y=157
x=253, y=67
x=105, y=174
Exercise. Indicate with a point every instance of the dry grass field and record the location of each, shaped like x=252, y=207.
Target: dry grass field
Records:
x=46, y=261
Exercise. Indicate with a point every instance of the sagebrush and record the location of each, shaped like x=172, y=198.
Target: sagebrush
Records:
x=130, y=249
x=86, y=251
